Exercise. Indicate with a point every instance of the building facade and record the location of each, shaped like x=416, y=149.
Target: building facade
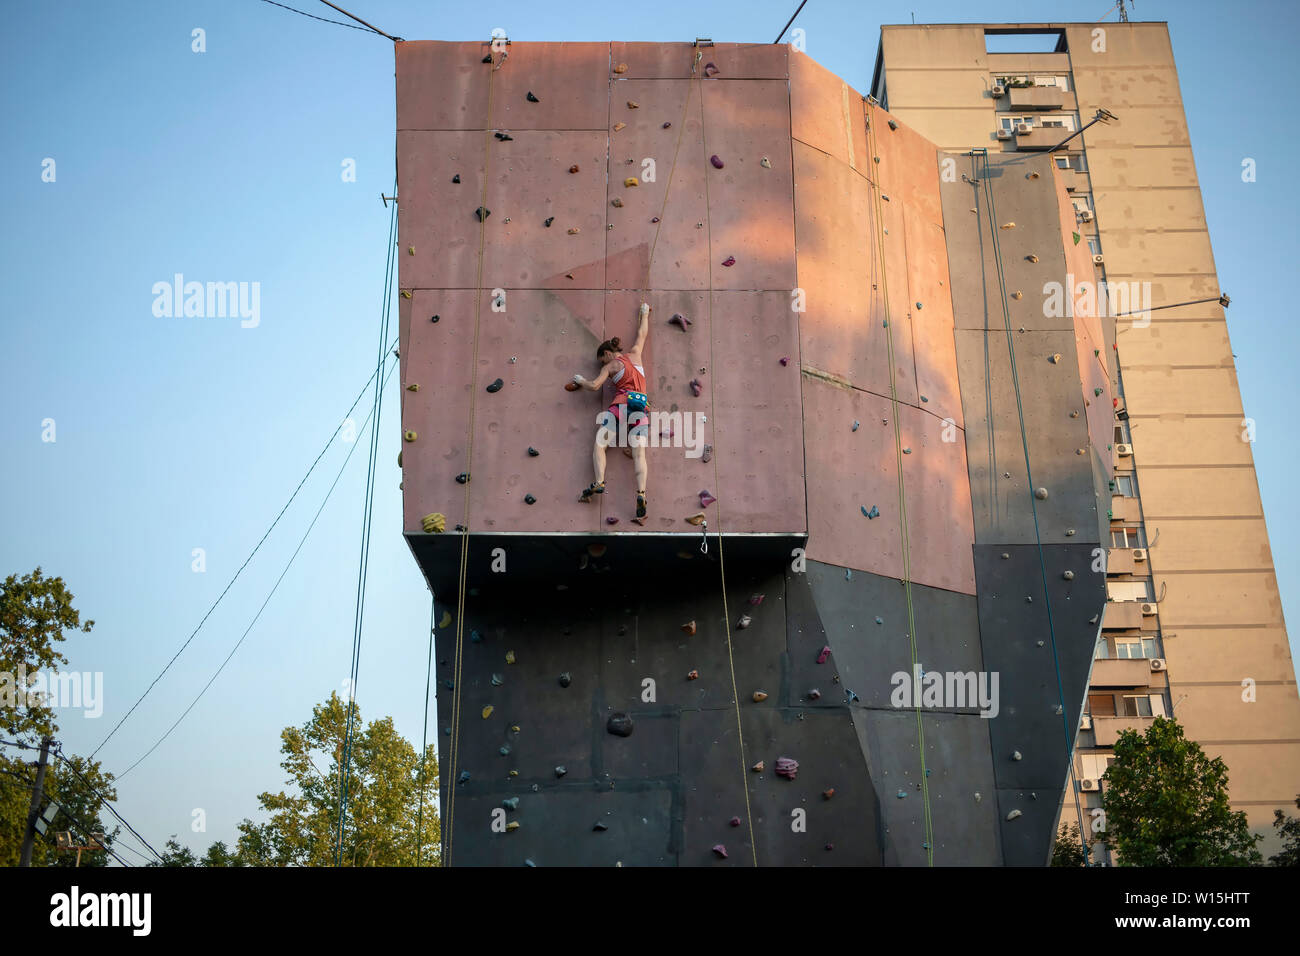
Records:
x=1193, y=625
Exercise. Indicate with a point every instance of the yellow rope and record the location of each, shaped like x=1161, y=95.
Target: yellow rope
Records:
x=722, y=564
x=879, y=209
x=452, y=776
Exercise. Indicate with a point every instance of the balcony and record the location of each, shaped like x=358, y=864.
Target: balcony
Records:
x=1069, y=178
x=1040, y=138
x=1115, y=672
x=1125, y=509
x=1036, y=97
x=1108, y=729
x=1122, y=615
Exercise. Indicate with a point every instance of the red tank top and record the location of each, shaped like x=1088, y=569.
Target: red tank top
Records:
x=632, y=380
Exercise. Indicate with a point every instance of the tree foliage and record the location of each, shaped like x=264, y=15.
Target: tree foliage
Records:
x=1166, y=804
x=1288, y=831
x=1068, y=849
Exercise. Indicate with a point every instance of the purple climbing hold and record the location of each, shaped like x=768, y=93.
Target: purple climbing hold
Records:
x=721, y=851
x=655, y=219
x=710, y=69
x=830, y=846
x=787, y=767
x=666, y=125
x=611, y=520
x=696, y=387
x=496, y=386
x=729, y=261
x=679, y=320
x=826, y=652
x=784, y=360
x=717, y=163
x=756, y=599
x=735, y=821
x=706, y=499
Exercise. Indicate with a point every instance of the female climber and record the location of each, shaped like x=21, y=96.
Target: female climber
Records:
x=625, y=371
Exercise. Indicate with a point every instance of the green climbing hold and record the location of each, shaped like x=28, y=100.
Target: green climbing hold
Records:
x=1077, y=237
x=1096, y=391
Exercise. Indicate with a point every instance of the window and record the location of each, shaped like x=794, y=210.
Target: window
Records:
x=1073, y=161
x=1059, y=121
x=1139, y=706
x=1095, y=765
x=1122, y=433
x=1125, y=486
x=1128, y=591
x=1082, y=203
x=1128, y=538
x=1149, y=647
x=1135, y=648
x=1058, y=81
x=1103, y=650
x=1012, y=40
x=1101, y=705
x=1010, y=81
x=1094, y=245
x=1010, y=123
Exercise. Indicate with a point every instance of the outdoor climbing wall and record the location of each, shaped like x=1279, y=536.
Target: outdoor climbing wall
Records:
x=1037, y=395
x=837, y=425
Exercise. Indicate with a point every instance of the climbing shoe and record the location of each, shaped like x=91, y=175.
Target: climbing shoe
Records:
x=595, y=488
x=640, y=504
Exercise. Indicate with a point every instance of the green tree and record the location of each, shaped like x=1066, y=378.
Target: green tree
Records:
x=1068, y=849
x=383, y=798
x=1166, y=804
x=1288, y=831
x=35, y=611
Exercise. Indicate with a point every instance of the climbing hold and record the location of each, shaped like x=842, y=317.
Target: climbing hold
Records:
x=828, y=793
x=765, y=163
x=1041, y=494
x=496, y=386
x=830, y=846
x=696, y=519
x=734, y=821
x=1056, y=358
x=434, y=318
x=759, y=767
x=504, y=137
x=497, y=680
x=717, y=163
x=786, y=767
x=708, y=453
x=884, y=197
x=1096, y=391
x=1069, y=532
x=826, y=652
x=710, y=69
x=406, y=294
x=1017, y=755
x=814, y=694
x=729, y=261
x=462, y=478
x=1029, y=599
x=619, y=126
x=907, y=451
x=413, y=387
x=599, y=827
x=1068, y=575
x=1077, y=237
x=560, y=771
x=531, y=98
x=464, y=776
x=756, y=599
x=565, y=679
x=571, y=386
x=680, y=321
x=706, y=499
x=1017, y=295
x=548, y=222
x=654, y=219
x=510, y=803
x=689, y=628
x=1093, y=619
x=696, y=387
x=759, y=697
x=616, y=203
x=693, y=675
x=1007, y=225
x=633, y=105
x=487, y=711
x=902, y=795
x=482, y=212
x=445, y=621
x=856, y=424
x=529, y=500
x=1013, y=814
x=1081, y=451
x=596, y=551
x=880, y=620
x=620, y=725
x=1031, y=258
x=621, y=68
x=924, y=399
x=1005, y=556
x=510, y=657
x=533, y=452
x=848, y=574
x=434, y=523
x=573, y=232
x=611, y=520
x=486, y=59
x=785, y=360
x=667, y=125
x=720, y=851
x=873, y=513
x=1074, y=414
x=744, y=622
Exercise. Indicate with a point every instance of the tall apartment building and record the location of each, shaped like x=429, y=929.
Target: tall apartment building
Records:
x=1193, y=624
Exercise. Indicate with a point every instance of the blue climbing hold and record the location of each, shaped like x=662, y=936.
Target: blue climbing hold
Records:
x=902, y=794
x=475, y=637
x=880, y=620
x=504, y=751
x=873, y=513
x=848, y=574
x=497, y=680
x=529, y=863
x=464, y=776
x=510, y=803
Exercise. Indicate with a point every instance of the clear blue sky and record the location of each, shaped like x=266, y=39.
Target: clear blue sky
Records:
x=175, y=434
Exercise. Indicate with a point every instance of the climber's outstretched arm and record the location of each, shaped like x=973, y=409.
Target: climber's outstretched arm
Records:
x=594, y=386
x=642, y=331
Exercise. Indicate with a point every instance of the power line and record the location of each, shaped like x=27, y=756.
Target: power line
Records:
x=28, y=783
x=58, y=752
x=787, y=24
x=350, y=26
x=241, y=568
x=247, y=630
x=362, y=22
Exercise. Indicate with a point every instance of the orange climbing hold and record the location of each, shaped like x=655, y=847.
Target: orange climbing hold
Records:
x=689, y=628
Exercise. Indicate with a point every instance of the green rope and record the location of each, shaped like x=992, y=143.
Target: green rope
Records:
x=424, y=741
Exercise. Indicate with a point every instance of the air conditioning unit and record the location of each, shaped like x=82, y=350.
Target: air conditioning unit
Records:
x=1024, y=128
x=1090, y=785
x=1157, y=663
x=1085, y=215
x=1139, y=554
x=1085, y=722
x=998, y=91
x=1098, y=259
x=1124, y=451
x=1004, y=134
x=1149, y=609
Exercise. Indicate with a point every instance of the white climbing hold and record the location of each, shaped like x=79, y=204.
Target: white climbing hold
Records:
x=1013, y=814
x=1017, y=755
x=1041, y=494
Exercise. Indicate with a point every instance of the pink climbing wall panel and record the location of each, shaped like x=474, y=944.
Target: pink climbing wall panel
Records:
x=826, y=113
x=661, y=61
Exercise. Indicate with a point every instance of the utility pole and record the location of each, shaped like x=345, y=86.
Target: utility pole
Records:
x=38, y=790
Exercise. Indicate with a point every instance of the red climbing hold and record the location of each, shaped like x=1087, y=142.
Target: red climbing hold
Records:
x=786, y=767
x=689, y=627
x=716, y=161
x=756, y=599
x=571, y=386
x=706, y=499
x=729, y=261
x=721, y=851
x=710, y=69
x=693, y=675
x=826, y=652
x=814, y=694
x=696, y=387
x=828, y=793
x=611, y=520
x=735, y=821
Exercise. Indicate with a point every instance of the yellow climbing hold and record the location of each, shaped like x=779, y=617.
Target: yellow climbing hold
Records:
x=409, y=436
x=514, y=773
x=1017, y=294
x=512, y=826
x=399, y=459
x=410, y=250
x=619, y=126
x=435, y=524
x=621, y=68
x=510, y=657
x=1032, y=258
x=631, y=181
x=696, y=519
x=406, y=293
x=412, y=387
x=573, y=232
x=633, y=105
x=446, y=615
x=487, y=711
x=1007, y=225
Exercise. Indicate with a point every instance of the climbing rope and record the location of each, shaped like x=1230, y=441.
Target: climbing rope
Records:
x=722, y=563
x=1029, y=478
x=345, y=761
x=424, y=741
x=452, y=775
x=879, y=216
